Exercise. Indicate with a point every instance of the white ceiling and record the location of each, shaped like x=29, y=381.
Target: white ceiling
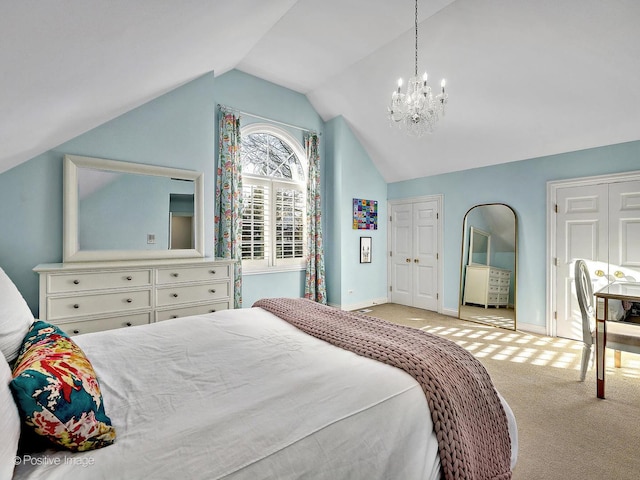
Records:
x=525, y=78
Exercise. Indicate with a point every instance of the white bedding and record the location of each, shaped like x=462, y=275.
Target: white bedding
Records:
x=241, y=394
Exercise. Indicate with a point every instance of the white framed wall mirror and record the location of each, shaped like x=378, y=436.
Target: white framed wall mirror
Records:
x=488, y=266
x=128, y=211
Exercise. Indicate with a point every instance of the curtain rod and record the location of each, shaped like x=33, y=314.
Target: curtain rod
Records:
x=260, y=117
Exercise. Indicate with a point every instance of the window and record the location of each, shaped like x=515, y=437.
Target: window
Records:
x=274, y=199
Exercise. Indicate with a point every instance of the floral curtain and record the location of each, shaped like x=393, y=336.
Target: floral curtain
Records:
x=228, y=212
x=315, y=287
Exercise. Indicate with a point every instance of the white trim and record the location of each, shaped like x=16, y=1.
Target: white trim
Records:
x=552, y=195
x=450, y=313
x=439, y=199
x=277, y=269
x=273, y=183
x=364, y=304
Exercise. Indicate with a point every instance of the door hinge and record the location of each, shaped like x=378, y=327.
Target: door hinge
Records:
x=555, y=315
x=555, y=261
x=391, y=254
x=389, y=217
x=556, y=207
x=437, y=296
x=390, y=288
x=437, y=256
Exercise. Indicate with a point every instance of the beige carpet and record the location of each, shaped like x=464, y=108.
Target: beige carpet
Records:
x=565, y=432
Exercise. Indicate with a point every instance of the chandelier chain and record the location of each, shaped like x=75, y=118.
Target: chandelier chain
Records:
x=416, y=25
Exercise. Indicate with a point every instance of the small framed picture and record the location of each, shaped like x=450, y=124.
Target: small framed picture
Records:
x=365, y=249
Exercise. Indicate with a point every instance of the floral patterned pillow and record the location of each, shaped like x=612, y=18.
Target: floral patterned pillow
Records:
x=57, y=391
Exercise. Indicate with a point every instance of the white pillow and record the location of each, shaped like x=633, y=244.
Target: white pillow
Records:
x=9, y=423
x=15, y=318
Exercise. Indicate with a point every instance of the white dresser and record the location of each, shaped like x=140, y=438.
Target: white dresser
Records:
x=94, y=296
x=486, y=285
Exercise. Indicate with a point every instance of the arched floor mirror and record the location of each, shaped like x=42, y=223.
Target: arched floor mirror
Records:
x=488, y=266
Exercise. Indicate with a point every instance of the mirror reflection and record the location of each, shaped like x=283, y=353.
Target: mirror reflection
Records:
x=117, y=210
x=488, y=266
x=107, y=220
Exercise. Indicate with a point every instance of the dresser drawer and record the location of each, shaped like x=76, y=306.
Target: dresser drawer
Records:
x=192, y=274
x=88, y=326
x=83, y=305
x=187, y=311
x=176, y=295
x=85, y=281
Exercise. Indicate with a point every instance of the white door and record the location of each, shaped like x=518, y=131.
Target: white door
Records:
x=425, y=247
x=402, y=254
x=581, y=228
x=414, y=254
x=600, y=223
x=624, y=231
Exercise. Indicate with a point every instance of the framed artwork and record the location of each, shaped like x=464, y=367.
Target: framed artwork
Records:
x=365, y=214
x=365, y=249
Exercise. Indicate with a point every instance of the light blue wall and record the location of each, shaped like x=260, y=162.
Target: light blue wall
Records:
x=174, y=130
x=352, y=175
x=179, y=130
x=523, y=186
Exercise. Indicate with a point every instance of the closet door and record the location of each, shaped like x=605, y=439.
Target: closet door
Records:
x=402, y=254
x=624, y=231
x=425, y=259
x=581, y=229
x=414, y=254
x=600, y=223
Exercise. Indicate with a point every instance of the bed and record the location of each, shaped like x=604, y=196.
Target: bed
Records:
x=243, y=394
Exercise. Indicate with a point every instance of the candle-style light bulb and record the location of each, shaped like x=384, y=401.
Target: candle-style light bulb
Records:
x=399, y=84
x=442, y=84
x=424, y=79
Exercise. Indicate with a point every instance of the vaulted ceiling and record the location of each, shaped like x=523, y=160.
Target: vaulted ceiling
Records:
x=525, y=78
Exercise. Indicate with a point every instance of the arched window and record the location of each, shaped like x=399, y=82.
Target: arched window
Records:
x=274, y=180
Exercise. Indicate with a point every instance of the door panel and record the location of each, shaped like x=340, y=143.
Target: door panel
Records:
x=401, y=254
x=425, y=219
x=581, y=227
x=624, y=232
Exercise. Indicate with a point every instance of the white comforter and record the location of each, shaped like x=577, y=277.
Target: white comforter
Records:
x=241, y=394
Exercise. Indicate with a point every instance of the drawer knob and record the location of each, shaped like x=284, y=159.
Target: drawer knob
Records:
x=75, y=305
x=213, y=290
x=174, y=295
x=212, y=310
x=76, y=331
x=129, y=300
x=174, y=316
x=128, y=324
x=175, y=274
x=76, y=282
x=212, y=272
x=129, y=278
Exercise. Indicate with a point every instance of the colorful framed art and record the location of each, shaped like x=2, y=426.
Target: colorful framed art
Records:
x=365, y=214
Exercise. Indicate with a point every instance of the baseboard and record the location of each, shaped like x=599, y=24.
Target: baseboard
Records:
x=530, y=328
x=450, y=313
x=361, y=305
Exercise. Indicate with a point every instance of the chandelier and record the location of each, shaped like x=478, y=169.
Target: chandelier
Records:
x=418, y=110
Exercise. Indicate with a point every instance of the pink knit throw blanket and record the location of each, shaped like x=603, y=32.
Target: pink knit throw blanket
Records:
x=468, y=417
